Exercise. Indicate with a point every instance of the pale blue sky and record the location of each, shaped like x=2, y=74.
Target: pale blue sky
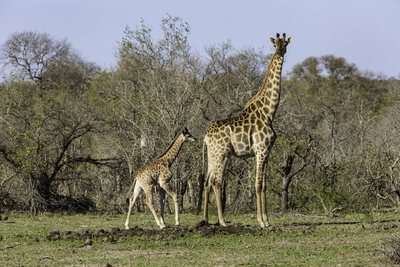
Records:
x=364, y=32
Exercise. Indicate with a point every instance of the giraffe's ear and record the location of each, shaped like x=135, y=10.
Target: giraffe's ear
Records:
x=272, y=41
x=185, y=131
x=288, y=40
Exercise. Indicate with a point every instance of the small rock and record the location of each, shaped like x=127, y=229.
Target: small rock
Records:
x=88, y=242
x=55, y=237
x=85, y=233
x=110, y=239
x=54, y=233
x=115, y=230
x=101, y=232
x=198, y=224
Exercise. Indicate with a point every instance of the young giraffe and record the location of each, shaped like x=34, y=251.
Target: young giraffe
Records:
x=158, y=173
x=247, y=135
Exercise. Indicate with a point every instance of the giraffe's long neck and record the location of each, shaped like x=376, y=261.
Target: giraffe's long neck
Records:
x=267, y=99
x=172, y=151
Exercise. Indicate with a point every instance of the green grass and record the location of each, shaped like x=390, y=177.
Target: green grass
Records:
x=347, y=240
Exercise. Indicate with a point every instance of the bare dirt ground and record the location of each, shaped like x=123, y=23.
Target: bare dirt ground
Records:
x=115, y=234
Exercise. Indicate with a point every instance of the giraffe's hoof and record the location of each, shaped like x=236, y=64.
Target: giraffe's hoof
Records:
x=263, y=225
x=267, y=227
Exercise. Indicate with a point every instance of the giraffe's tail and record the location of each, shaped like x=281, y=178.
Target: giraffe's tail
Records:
x=202, y=175
x=130, y=190
x=201, y=181
x=204, y=145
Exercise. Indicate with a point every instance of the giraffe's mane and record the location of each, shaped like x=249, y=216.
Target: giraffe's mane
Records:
x=264, y=86
x=170, y=146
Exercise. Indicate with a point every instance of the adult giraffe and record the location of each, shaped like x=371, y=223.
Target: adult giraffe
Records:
x=250, y=134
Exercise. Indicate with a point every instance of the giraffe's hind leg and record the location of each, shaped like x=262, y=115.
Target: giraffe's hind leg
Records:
x=149, y=202
x=162, y=203
x=216, y=181
x=168, y=189
x=217, y=191
x=136, y=192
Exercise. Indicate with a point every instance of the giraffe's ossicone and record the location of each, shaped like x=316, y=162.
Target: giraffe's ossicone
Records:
x=249, y=134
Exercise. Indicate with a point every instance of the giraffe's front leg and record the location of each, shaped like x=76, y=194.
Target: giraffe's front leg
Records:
x=264, y=185
x=264, y=199
x=175, y=198
x=149, y=202
x=261, y=205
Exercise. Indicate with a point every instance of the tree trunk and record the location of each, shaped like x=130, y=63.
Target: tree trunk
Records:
x=286, y=169
x=40, y=193
x=285, y=194
x=192, y=197
x=181, y=190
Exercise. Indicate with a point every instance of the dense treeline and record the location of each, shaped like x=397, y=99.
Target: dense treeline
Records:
x=72, y=135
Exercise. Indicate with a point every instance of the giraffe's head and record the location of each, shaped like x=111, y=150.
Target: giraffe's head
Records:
x=187, y=136
x=280, y=44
